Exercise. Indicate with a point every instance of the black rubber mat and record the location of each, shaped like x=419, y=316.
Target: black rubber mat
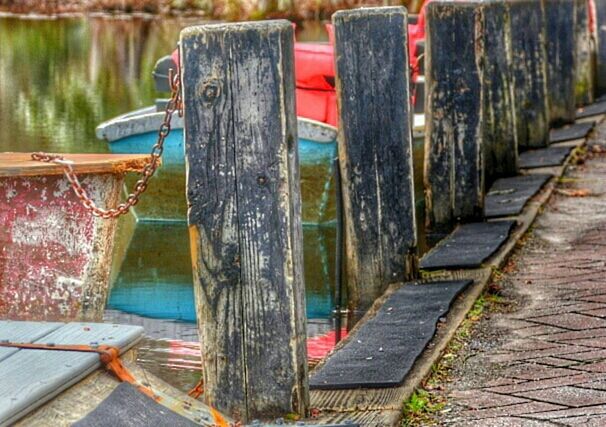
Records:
x=543, y=157
x=507, y=196
x=468, y=246
x=592, y=110
x=383, y=350
x=128, y=407
x=570, y=132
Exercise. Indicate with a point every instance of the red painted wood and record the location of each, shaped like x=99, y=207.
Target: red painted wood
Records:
x=54, y=255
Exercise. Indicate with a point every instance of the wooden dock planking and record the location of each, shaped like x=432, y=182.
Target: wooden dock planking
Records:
x=24, y=389
x=23, y=332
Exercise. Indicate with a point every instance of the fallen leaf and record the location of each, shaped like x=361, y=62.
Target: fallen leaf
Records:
x=581, y=192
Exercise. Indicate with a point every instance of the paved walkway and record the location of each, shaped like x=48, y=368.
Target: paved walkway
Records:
x=543, y=360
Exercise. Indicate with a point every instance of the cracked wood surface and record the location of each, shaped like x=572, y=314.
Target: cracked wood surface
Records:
x=245, y=216
x=375, y=150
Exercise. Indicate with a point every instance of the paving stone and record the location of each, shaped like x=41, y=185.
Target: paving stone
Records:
x=574, y=335
x=502, y=422
x=572, y=321
x=519, y=409
x=537, y=331
x=571, y=412
x=599, y=312
x=528, y=345
x=584, y=420
x=585, y=356
x=533, y=371
x=567, y=396
x=560, y=350
x=593, y=367
x=480, y=399
x=547, y=383
x=554, y=361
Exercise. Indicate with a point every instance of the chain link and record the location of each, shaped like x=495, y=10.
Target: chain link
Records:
x=174, y=105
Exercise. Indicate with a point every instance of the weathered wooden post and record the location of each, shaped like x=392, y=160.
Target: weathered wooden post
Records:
x=561, y=57
x=245, y=216
x=470, y=135
x=531, y=109
x=584, y=81
x=600, y=25
x=375, y=149
x=55, y=256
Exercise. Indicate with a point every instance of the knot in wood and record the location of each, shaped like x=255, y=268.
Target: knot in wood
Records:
x=262, y=180
x=211, y=90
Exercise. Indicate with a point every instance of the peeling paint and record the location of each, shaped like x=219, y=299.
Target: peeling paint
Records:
x=54, y=255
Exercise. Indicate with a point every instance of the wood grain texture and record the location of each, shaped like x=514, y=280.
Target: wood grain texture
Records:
x=24, y=389
x=531, y=109
x=245, y=216
x=454, y=165
x=375, y=149
x=499, y=139
x=600, y=39
x=471, y=137
x=21, y=164
x=584, y=85
x=23, y=332
x=561, y=57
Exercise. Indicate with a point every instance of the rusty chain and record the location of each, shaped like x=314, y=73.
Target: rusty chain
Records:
x=174, y=105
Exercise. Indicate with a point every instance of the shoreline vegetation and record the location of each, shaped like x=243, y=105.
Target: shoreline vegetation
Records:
x=229, y=10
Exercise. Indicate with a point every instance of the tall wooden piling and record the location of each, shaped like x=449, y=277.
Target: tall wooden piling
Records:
x=584, y=81
x=531, y=109
x=375, y=149
x=600, y=39
x=561, y=57
x=245, y=216
x=470, y=135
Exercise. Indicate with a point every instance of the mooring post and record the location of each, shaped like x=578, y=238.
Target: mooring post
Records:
x=470, y=137
x=561, y=57
x=531, y=110
x=584, y=81
x=245, y=216
x=600, y=25
x=375, y=149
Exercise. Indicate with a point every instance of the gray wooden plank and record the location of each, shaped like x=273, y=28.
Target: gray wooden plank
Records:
x=468, y=246
x=508, y=196
x=592, y=110
x=23, y=332
x=544, y=157
x=570, y=132
x=384, y=349
x=30, y=378
x=128, y=407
